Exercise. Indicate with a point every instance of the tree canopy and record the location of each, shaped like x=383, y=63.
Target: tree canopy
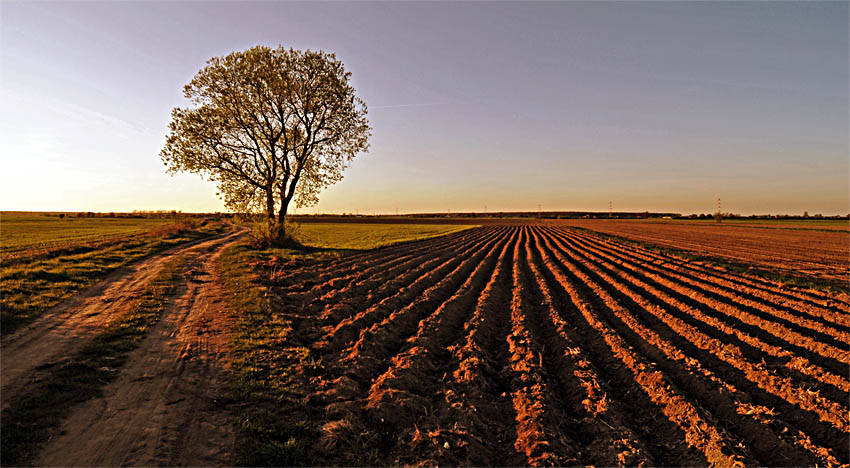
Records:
x=269, y=125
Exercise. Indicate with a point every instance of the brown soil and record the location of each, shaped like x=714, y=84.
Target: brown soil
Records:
x=819, y=254
x=165, y=407
x=542, y=345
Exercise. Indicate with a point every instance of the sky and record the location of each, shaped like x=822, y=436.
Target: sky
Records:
x=662, y=106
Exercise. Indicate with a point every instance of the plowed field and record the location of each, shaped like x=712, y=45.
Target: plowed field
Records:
x=820, y=254
x=537, y=344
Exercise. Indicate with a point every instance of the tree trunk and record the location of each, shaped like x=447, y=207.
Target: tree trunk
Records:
x=281, y=218
x=270, y=207
x=277, y=230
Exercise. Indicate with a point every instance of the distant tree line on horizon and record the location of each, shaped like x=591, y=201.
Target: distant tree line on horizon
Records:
x=136, y=214
x=165, y=214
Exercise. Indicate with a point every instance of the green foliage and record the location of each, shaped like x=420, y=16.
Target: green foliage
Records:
x=30, y=420
x=267, y=125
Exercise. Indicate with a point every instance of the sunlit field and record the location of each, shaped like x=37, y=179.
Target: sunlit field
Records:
x=353, y=236
x=21, y=232
x=483, y=234
x=49, y=259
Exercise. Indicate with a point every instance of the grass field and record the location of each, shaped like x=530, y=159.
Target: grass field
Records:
x=21, y=232
x=352, y=236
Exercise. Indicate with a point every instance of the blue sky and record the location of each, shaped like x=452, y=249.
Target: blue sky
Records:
x=654, y=106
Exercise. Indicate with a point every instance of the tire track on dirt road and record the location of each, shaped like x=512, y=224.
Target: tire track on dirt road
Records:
x=166, y=406
x=112, y=437
x=65, y=328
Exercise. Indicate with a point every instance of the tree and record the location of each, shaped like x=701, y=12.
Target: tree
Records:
x=268, y=125
x=718, y=217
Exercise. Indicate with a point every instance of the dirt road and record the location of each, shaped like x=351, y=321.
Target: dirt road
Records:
x=164, y=407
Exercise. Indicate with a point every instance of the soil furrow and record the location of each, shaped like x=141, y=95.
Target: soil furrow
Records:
x=682, y=300
x=689, y=351
x=527, y=343
x=404, y=394
x=695, y=431
x=476, y=392
x=361, y=274
x=541, y=421
x=348, y=330
x=814, y=298
x=829, y=358
x=342, y=302
x=367, y=357
x=800, y=311
x=600, y=420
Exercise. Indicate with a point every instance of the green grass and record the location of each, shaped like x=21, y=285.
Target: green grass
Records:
x=26, y=232
x=271, y=366
x=31, y=419
x=273, y=420
x=32, y=284
x=352, y=236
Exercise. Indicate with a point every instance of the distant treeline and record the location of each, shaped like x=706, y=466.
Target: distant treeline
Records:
x=569, y=215
x=138, y=214
x=164, y=214
x=503, y=214
x=766, y=216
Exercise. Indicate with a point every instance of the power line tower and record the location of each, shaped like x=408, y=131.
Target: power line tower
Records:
x=718, y=217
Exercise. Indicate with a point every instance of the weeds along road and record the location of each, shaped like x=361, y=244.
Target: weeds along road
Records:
x=165, y=393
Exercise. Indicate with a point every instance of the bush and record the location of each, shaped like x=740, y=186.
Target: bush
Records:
x=263, y=235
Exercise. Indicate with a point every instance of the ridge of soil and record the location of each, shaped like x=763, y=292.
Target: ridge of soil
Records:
x=538, y=344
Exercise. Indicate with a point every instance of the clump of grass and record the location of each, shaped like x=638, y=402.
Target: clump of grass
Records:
x=29, y=421
x=31, y=285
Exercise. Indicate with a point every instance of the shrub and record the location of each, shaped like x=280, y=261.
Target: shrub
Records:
x=263, y=235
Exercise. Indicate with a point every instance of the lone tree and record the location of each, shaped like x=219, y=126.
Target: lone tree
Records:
x=268, y=125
